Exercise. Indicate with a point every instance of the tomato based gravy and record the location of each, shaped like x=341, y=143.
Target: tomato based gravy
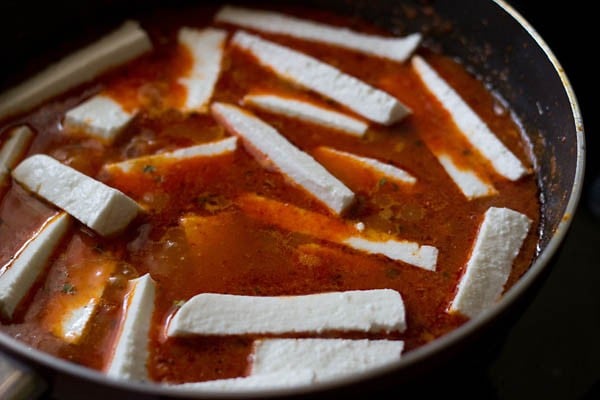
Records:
x=223, y=248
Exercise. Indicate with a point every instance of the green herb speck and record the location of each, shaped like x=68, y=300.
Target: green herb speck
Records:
x=68, y=289
x=148, y=169
x=392, y=273
x=178, y=303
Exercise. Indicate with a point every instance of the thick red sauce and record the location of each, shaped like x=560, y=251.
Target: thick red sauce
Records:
x=238, y=254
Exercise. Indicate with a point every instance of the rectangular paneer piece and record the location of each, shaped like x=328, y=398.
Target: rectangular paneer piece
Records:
x=27, y=265
x=206, y=49
x=100, y=117
x=327, y=358
x=380, y=310
x=274, y=151
x=13, y=149
x=100, y=207
x=68, y=317
x=393, y=48
x=408, y=252
x=306, y=111
x=130, y=356
x=498, y=243
x=295, y=219
x=380, y=168
x=276, y=380
x=330, y=82
x=76, y=321
x=211, y=149
x=469, y=183
x=120, y=46
x=472, y=126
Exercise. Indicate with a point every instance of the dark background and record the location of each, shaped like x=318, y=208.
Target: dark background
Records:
x=553, y=351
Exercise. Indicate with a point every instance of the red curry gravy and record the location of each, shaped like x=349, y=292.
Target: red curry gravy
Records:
x=240, y=255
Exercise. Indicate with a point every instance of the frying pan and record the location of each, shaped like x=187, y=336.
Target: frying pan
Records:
x=489, y=37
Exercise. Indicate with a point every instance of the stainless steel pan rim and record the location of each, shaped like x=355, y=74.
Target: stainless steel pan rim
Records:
x=410, y=359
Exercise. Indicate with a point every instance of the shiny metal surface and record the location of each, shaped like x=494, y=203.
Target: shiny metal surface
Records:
x=19, y=382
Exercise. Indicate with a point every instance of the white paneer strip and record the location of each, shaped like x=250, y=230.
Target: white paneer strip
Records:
x=276, y=380
x=206, y=48
x=295, y=219
x=324, y=79
x=13, y=149
x=223, y=314
x=27, y=265
x=468, y=182
x=386, y=170
x=76, y=321
x=306, y=111
x=328, y=358
x=100, y=117
x=409, y=252
x=214, y=149
x=393, y=48
x=122, y=45
x=130, y=357
x=474, y=128
x=275, y=151
x=69, y=312
x=102, y=208
x=498, y=243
